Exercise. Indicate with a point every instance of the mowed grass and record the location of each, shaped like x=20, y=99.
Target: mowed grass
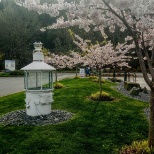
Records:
x=96, y=127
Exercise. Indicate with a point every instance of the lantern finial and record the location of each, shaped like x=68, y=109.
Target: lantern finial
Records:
x=37, y=46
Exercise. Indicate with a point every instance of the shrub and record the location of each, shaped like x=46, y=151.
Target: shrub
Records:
x=101, y=97
x=58, y=85
x=129, y=85
x=13, y=73
x=137, y=147
x=17, y=73
x=93, y=77
x=96, y=80
x=77, y=77
x=4, y=74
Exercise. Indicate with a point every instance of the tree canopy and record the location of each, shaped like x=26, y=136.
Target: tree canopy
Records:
x=20, y=28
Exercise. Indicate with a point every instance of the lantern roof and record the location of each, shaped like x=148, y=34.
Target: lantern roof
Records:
x=38, y=65
x=38, y=61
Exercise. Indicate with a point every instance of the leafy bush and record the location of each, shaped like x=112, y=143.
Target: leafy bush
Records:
x=137, y=147
x=101, y=97
x=93, y=77
x=58, y=85
x=96, y=80
x=17, y=73
x=77, y=77
x=13, y=73
x=4, y=74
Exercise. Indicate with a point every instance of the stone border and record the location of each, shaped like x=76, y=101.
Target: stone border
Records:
x=142, y=96
x=20, y=118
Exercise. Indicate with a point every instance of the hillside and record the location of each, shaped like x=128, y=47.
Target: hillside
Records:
x=20, y=28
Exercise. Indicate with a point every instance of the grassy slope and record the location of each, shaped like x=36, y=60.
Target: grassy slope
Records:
x=96, y=128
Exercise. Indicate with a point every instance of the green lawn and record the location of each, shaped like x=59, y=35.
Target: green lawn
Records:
x=96, y=128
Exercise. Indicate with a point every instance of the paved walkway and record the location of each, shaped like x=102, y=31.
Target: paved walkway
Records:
x=10, y=85
x=142, y=83
x=139, y=79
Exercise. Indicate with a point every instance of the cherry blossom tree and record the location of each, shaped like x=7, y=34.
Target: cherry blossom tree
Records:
x=103, y=56
x=71, y=60
x=58, y=61
x=75, y=60
x=137, y=16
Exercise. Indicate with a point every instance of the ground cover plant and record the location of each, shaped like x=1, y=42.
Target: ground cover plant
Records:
x=139, y=147
x=58, y=85
x=12, y=74
x=101, y=96
x=98, y=127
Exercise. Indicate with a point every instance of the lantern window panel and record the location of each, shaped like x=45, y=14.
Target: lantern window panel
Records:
x=47, y=80
x=34, y=80
x=38, y=80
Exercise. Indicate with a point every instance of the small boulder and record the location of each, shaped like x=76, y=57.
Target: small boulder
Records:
x=129, y=85
x=145, y=90
x=134, y=91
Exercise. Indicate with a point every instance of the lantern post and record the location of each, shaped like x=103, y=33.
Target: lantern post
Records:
x=38, y=83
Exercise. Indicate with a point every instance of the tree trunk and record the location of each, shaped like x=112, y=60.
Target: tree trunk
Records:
x=152, y=58
x=144, y=71
x=114, y=74
x=151, y=120
x=99, y=79
x=76, y=71
x=56, y=76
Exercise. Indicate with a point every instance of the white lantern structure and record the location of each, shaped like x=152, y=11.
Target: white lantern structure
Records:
x=38, y=82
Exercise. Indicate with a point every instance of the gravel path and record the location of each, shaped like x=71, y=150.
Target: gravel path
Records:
x=142, y=96
x=20, y=118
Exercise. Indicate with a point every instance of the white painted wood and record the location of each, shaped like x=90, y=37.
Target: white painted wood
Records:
x=38, y=103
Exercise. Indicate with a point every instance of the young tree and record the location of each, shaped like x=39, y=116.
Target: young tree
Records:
x=73, y=59
x=103, y=56
x=137, y=16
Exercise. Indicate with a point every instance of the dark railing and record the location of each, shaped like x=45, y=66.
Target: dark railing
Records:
x=127, y=76
x=132, y=75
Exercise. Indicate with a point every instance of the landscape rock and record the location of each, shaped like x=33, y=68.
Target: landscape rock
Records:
x=142, y=96
x=134, y=91
x=145, y=90
x=129, y=85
